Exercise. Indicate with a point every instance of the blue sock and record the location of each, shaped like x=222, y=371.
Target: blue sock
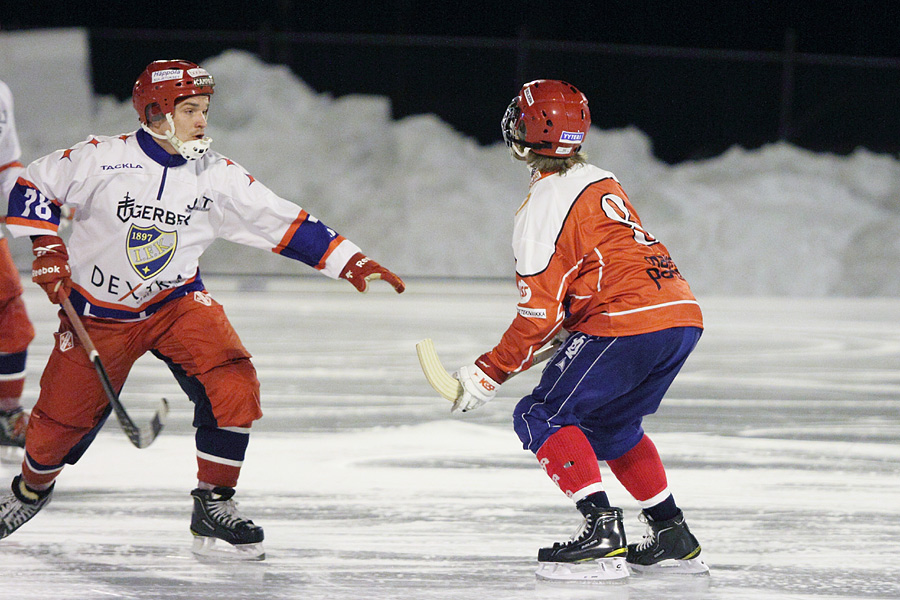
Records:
x=665, y=510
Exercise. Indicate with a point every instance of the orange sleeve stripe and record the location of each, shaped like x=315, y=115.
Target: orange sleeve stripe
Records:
x=30, y=223
x=14, y=163
x=334, y=244
x=289, y=234
x=25, y=182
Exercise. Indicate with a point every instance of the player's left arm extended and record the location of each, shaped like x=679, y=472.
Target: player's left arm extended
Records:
x=256, y=216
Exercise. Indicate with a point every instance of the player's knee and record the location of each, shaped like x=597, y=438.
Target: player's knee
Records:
x=233, y=391
x=613, y=443
x=529, y=424
x=16, y=330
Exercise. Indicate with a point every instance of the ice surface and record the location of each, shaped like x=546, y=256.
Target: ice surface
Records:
x=780, y=438
x=426, y=200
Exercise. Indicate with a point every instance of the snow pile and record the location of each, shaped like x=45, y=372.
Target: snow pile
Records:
x=425, y=200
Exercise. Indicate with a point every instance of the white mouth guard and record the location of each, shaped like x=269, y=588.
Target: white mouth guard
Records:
x=191, y=150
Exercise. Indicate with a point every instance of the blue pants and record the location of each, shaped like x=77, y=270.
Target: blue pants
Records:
x=605, y=386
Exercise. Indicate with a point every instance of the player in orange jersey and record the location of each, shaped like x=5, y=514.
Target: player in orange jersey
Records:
x=16, y=330
x=587, y=269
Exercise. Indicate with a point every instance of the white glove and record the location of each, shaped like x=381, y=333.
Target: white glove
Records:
x=477, y=388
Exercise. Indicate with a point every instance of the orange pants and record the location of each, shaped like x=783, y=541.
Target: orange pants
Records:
x=16, y=330
x=191, y=335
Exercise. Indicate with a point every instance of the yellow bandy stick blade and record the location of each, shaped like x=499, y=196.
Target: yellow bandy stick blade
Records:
x=442, y=382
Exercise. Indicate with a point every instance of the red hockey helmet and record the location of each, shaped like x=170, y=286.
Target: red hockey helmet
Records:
x=548, y=117
x=165, y=81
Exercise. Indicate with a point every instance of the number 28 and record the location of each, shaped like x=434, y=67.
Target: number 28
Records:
x=38, y=202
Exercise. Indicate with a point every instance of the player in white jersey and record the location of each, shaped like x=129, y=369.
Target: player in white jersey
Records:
x=147, y=204
x=16, y=330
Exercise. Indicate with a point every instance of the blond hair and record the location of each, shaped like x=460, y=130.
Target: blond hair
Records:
x=551, y=164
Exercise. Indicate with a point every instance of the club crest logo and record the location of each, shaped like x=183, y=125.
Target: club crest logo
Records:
x=524, y=292
x=150, y=249
x=66, y=341
x=202, y=298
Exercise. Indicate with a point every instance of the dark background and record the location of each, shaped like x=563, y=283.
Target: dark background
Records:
x=697, y=77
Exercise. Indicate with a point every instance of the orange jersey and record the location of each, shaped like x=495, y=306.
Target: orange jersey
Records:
x=585, y=263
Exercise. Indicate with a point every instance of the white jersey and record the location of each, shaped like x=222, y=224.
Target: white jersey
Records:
x=143, y=217
x=10, y=167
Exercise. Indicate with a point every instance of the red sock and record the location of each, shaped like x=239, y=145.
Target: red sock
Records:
x=642, y=473
x=38, y=479
x=569, y=460
x=10, y=392
x=217, y=473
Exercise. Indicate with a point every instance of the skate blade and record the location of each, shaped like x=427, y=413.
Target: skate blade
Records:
x=11, y=455
x=602, y=570
x=693, y=566
x=216, y=549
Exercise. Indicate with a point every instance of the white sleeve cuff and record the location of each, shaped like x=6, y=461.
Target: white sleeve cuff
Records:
x=338, y=258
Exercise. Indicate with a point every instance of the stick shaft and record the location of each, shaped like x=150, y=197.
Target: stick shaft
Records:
x=135, y=435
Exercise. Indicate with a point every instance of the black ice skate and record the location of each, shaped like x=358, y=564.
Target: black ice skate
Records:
x=595, y=553
x=12, y=427
x=216, y=517
x=12, y=434
x=17, y=507
x=667, y=547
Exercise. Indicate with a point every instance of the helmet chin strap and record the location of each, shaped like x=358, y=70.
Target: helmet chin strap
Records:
x=519, y=152
x=191, y=150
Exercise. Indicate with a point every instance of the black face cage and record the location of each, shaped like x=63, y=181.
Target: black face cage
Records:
x=512, y=134
x=508, y=124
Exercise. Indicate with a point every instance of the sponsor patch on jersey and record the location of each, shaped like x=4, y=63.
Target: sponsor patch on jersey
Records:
x=166, y=75
x=121, y=166
x=572, y=137
x=150, y=249
x=524, y=293
x=532, y=313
